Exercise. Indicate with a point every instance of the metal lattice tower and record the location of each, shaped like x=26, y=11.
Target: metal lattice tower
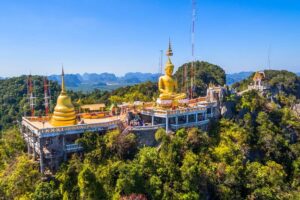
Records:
x=47, y=95
x=192, y=78
x=30, y=93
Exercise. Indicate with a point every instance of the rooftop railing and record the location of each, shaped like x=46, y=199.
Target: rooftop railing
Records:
x=77, y=127
x=191, y=124
x=173, y=112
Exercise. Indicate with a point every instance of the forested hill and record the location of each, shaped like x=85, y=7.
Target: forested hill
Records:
x=204, y=72
x=255, y=154
x=279, y=80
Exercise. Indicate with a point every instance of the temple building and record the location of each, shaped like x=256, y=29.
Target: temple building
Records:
x=173, y=110
x=51, y=139
x=259, y=81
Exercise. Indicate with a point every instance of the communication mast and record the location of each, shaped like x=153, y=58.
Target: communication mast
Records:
x=31, y=97
x=47, y=95
x=193, y=48
x=160, y=63
x=185, y=83
x=269, y=57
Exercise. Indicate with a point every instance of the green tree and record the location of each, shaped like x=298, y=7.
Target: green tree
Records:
x=265, y=181
x=46, y=191
x=89, y=187
x=18, y=178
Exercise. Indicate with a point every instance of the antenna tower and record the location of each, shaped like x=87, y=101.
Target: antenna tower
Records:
x=269, y=57
x=31, y=97
x=185, y=79
x=193, y=47
x=46, y=95
x=161, y=62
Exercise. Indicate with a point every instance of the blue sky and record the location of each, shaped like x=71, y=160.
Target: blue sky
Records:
x=119, y=36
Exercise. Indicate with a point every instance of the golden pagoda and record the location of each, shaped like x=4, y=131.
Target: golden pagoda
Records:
x=64, y=112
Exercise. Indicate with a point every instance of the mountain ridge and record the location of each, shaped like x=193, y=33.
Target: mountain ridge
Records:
x=75, y=80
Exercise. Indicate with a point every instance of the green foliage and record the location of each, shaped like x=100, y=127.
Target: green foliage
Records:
x=11, y=144
x=67, y=177
x=251, y=101
x=89, y=187
x=140, y=92
x=46, y=191
x=18, y=179
x=265, y=181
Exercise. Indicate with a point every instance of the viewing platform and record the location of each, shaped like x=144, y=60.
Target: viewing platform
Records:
x=52, y=144
x=42, y=128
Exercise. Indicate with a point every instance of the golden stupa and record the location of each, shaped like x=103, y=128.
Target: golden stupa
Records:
x=64, y=112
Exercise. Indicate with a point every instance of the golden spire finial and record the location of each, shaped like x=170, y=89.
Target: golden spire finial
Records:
x=169, y=51
x=63, y=88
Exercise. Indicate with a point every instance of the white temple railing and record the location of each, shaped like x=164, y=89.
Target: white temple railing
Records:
x=191, y=124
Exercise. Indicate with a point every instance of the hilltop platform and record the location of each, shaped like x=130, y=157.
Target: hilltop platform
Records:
x=196, y=114
x=51, y=145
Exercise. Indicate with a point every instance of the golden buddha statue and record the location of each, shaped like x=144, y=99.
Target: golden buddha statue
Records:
x=167, y=84
x=64, y=112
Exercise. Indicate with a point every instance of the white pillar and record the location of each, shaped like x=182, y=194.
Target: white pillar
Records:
x=152, y=120
x=167, y=125
x=187, y=118
x=176, y=119
x=64, y=148
x=41, y=157
x=34, y=151
x=196, y=117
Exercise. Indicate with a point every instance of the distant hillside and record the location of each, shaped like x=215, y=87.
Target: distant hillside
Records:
x=96, y=78
x=103, y=81
x=140, y=77
x=236, y=77
x=72, y=80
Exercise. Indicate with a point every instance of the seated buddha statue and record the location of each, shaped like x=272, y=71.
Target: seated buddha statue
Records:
x=167, y=84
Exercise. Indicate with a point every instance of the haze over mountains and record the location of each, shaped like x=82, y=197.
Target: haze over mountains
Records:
x=111, y=81
x=88, y=81
x=94, y=79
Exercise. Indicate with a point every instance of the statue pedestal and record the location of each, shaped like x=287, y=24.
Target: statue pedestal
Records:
x=164, y=103
x=171, y=103
x=183, y=102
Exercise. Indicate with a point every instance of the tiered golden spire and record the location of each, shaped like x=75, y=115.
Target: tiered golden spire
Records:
x=64, y=112
x=169, y=51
